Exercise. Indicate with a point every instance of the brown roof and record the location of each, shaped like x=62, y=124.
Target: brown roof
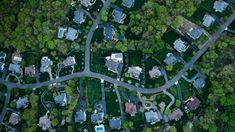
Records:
x=176, y=114
x=130, y=108
x=30, y=70
x=193, y=103
x=186, y=25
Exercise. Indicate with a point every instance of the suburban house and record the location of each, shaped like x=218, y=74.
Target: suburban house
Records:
x=114, y=62
x=118, y=16
x=176, y=115
x=61, y=32
x=62, y=99
x=128, y=3
x=87, y=3
x=220, y=6
x=22, y=103
x=115, y=123
x=97, y=117
x=2, y=64
x=69, y=61
x=199, y=83
x=195, y=32
x=155, y=72
x=72, y=34
x=80, y=117
x=170, y=59
x=99, y=128
x=134, y=72
x=46, y=64
x=3, y=56
x=180, y=45
x=108, y=32
x=14, y=118
x=130, y=108
x=15, y=68
x=30, y=70
x=16, y=57
x=192, y=103
x=152, y=116
x=79, y=16
x=208, y=20
x=44, y=122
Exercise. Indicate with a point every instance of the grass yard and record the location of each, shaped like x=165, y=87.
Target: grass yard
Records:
x=188, y=54
x=190, y=73
x=2, y=98
x=92, y=91
x=176, y=68
x=3, y=88
x=187, y=89
x=138, y=122
x=134, y=58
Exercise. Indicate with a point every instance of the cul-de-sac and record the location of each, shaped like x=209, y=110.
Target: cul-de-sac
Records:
x=117, y=65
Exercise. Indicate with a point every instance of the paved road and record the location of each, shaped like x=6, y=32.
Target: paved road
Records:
x=7, y=100
x=120, y=103
x=172, y=99
x=90, y=35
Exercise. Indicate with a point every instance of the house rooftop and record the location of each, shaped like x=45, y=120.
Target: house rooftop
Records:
x=115, y=123
x=118, y=16
x=130, y=108
x=79, y=17
x=170, y=59
x=193, y=103
x=46, y=64
x=61, y=32
x=180, y=45
x=62, y=99
x=14, y=68
x=108, y=32
x=199, y=83
x=14, y=118
x=69, y=61
x=195, y=32
x=117, y=57
x=16, y=57
x=87, y=3
x=220, y=6
x=72, y=34
x=80, y=116
x=176, y=115
x=134, y=72
x=208, y=20
x=99, y=128
x=97, y=117
x=22, y=103
x=30, y=70
x=152, y=116
x=155, y=72
x=44, y=122
x=114, y=66
x=128, y=3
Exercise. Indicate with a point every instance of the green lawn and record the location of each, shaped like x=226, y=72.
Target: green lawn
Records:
x=134, y=58
x=190, y=73
x=3, y=88
x=186, y=88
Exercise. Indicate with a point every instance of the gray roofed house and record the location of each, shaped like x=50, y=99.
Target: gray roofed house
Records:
x=152, y=116
x=134, y=72
x=170, y=59
x=61, y=32
x=14, y=118
x=72, y=34
x=46, y=64
x=97, y=117
x=14, y=68
x=44, y=122
x=199, y=83
x=208, y=20
x=22, y=103
x=69, y=61
x=117, y=57
x=87, y=3
x=195, y=32
x=108, y=32
x=62, y=99
x=80, y=116
x=180, y=45
x=3, y=56
x=118, y=16
x=155, y=72
x=114, y=66
x=79, y=16
x=220, y=6
x=2, y=66
x=128, y=3
x=115, y=123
